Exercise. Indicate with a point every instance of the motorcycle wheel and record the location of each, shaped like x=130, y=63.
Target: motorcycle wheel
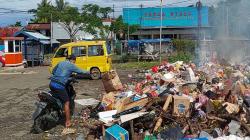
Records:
x=44, y=122
x=38, y=126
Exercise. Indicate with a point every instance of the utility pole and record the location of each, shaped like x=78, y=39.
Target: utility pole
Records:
x=161, y=34
x=139, y=49
x=128, y=20
x=227, y=30
x=113, y=34
x=51, y=33
x=199, y=7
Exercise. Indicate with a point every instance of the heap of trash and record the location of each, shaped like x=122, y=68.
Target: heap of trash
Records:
x=174, y=101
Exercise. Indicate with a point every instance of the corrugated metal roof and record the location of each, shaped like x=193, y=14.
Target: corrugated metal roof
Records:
x=31, y=35
x=37, y=35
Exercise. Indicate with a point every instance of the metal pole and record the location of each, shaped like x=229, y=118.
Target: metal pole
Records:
x=227, y=23
x=113, y=34
x=51, y=33
x=161, y=32
x=139, y=47
x=198, y=47
x=128, y=20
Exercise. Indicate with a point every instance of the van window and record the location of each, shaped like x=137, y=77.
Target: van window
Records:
x=62, y=52
x=79, y=51
x=95, y=50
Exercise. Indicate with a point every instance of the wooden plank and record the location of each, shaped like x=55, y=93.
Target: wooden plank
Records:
x=128, y=117
x=165, y=107
x=131, y=123
x=141, y=102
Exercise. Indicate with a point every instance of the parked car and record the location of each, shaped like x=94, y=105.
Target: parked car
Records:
x=91, y=55
x=2, y=62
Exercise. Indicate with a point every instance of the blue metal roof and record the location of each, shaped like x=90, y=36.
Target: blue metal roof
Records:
x=136, y=43
x=32, y=35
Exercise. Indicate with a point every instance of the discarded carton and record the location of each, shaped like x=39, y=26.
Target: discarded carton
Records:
x=116, y=132
x=108, y=100
x=181, y=105
x=106, y=116
x=111, y=81
x=128, y=103
x=231, y=108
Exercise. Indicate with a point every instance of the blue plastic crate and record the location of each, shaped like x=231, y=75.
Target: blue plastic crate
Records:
x=116, y=132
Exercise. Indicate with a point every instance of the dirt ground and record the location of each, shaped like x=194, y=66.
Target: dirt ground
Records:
x=19, y=93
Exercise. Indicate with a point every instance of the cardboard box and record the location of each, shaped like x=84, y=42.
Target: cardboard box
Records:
x=111, y=82
x=108, y=100
x=181, y=105
x=116, y=132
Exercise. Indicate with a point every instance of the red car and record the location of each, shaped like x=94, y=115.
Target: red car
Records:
x=2, y=61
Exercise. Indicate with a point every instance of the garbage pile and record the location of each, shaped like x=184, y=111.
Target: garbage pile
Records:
x=174, y=101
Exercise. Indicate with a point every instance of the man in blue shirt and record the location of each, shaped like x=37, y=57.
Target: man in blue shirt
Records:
x=60, y=77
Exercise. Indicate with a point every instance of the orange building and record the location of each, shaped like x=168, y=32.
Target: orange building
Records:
x=11, y=50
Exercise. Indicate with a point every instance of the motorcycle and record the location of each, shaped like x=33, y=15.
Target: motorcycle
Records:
x=50, y=110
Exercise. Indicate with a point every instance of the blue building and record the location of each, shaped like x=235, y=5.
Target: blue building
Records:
x=177, y=22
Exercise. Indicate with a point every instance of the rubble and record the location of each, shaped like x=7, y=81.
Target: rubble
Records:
x=175, y=101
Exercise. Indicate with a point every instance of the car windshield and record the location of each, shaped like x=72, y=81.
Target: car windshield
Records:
x=62, y=52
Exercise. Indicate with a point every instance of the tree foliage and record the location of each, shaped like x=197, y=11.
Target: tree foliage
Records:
x=17, y=24
x=105, y=11
x=71, y=21
x=61, y=5
x=183, y=45
x=121, y=29
x=89, y=19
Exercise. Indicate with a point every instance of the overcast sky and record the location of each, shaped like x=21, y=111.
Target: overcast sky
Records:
x=6, y=19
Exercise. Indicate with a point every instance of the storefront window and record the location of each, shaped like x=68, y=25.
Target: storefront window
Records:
x=10, y=46
x=18, y=46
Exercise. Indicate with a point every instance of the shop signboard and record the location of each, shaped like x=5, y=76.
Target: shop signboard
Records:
x=171, y=17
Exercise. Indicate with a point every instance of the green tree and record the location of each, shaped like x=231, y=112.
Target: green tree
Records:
x=90, y=9
x=121, y=29
x=61, y=5
x=44, y=3
x=105, y=11
x=43, y=12
x=184, y=45
x=72, y=21
x=17, y=24
x=93, y=14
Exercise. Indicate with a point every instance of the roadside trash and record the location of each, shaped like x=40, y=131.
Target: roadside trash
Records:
x=181, y=105
x=116, y=132
x=87, y=102
x=111, y=81
x=67, y=131
x=172, y=101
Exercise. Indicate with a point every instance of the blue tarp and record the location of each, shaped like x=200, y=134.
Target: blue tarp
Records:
x=136, y=43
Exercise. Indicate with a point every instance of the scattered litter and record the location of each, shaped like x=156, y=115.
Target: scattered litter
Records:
x=67, y=131
x=87, y=102
x=172, y=101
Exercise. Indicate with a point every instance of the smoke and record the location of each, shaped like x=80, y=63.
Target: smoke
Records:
x=231, y=21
